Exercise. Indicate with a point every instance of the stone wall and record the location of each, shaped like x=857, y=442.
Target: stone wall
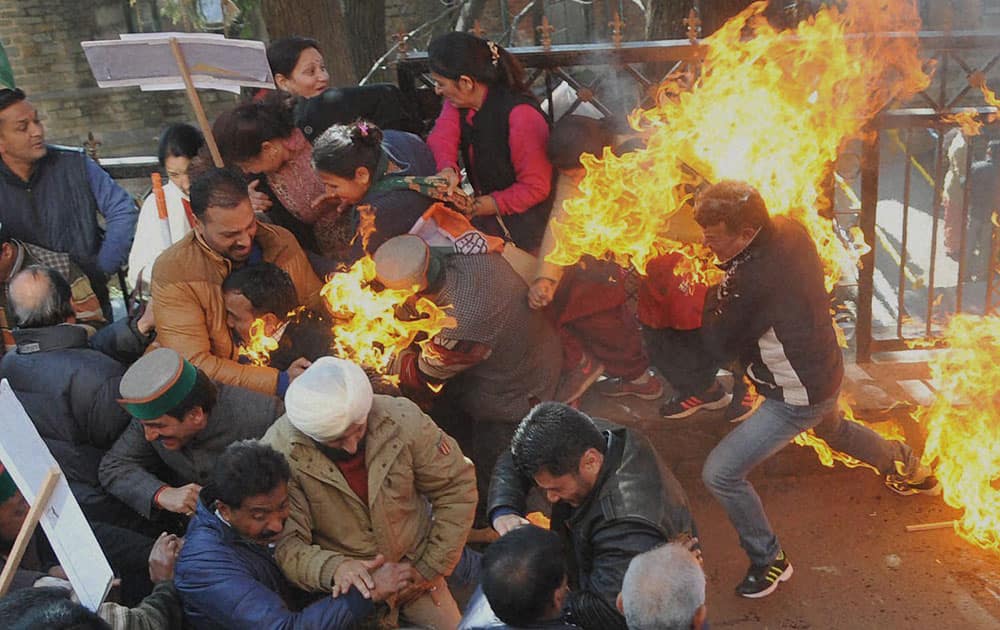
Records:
x=42, y=39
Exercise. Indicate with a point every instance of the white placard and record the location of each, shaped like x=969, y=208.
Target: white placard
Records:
x=146, y=60
x=28, y=461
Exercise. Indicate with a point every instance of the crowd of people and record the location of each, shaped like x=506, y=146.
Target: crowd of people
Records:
x=311, y=492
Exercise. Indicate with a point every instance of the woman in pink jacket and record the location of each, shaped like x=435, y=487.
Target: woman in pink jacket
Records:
x=490, y=120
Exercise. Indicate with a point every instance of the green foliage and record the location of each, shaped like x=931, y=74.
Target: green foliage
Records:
x=188, y=14
x=6, y=73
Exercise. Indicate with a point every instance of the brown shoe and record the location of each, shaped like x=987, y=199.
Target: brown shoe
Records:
x=576, y=382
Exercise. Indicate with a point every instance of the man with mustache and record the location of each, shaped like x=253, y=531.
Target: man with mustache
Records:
x=51, y=197
x=372, y=476
x=226, y=573
x=181, y=422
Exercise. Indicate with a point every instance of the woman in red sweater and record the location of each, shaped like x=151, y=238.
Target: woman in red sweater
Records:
x=490, y=120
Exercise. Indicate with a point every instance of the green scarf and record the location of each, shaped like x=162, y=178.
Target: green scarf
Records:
x=433, y=186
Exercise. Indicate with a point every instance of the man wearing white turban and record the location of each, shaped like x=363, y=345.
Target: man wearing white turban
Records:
x=372, y=476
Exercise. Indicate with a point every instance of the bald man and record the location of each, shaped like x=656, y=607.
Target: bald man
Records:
x=68, y=383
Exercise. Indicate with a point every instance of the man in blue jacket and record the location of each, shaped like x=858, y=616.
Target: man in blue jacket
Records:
x=226, y=574
x=51, y=197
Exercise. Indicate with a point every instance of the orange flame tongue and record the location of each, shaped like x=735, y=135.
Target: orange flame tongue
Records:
x=963, y=426
x=260, y=346
x=770, y=108
x=368, y=329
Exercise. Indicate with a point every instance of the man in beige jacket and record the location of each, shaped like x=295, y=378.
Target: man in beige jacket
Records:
x=371, y=475
x=188, y=275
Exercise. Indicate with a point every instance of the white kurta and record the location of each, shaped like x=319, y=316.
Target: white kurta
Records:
x=151, y=237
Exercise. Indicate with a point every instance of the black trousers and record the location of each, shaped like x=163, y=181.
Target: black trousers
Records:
x=681, y=358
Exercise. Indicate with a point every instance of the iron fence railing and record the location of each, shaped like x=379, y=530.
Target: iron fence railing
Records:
x=908, y=283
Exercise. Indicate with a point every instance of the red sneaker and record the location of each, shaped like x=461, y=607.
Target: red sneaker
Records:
x=576, y=382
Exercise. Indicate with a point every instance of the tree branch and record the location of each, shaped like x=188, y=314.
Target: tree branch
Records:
x=381, y=60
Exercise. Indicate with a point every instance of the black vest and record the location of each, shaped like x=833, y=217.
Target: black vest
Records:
x=493, y=170
x=56, y=209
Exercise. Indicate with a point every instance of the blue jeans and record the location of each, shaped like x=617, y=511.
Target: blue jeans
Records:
x=765, y=433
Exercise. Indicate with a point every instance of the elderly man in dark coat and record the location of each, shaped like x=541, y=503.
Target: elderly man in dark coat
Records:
x=182, y=421
x=68, y=384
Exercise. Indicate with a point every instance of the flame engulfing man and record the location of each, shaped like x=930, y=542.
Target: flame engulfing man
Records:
x=771, y=311
x=499, y=359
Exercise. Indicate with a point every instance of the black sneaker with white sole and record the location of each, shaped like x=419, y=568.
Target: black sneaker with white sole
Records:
x=683, y=406
x=742, y=407
x=761, y=581
x=912, y=477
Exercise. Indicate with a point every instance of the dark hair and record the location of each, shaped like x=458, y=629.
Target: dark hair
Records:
x=736, y=204
x=54, y=308
x=242, y=131
x=203, y=394
x=552, y=438
x=267, y=287
x=218, y=188
x=246, y=469
x=458, y=53
x=283, y=54
x=46, y=608
x=9, y=96
x=342, y=149
x=572, y=136
x=521, y=572
x=179, y=140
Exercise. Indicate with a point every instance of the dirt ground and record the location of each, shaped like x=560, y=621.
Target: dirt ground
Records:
x=854, y=564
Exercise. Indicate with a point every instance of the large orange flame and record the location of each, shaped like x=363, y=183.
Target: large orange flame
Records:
x=963, y=426
x=368, y=329
x=770, y=108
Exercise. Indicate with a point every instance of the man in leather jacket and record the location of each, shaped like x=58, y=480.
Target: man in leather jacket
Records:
x=613, y=498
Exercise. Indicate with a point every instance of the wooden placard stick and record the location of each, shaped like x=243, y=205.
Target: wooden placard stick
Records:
x=192, y=95
x=28, y=529
x=925, y=527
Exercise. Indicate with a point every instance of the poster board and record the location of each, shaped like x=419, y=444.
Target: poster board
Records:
x=29, y=461
x=146, y=60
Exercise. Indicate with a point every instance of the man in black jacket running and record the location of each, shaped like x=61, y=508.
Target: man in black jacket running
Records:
x=772, y=312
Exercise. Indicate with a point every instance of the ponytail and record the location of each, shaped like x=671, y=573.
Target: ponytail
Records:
x=455, y=54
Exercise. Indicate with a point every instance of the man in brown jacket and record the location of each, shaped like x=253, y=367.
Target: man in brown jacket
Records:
x=187, y=281
x=371, y=476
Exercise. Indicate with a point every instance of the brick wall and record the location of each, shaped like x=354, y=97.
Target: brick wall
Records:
x=42, y=39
